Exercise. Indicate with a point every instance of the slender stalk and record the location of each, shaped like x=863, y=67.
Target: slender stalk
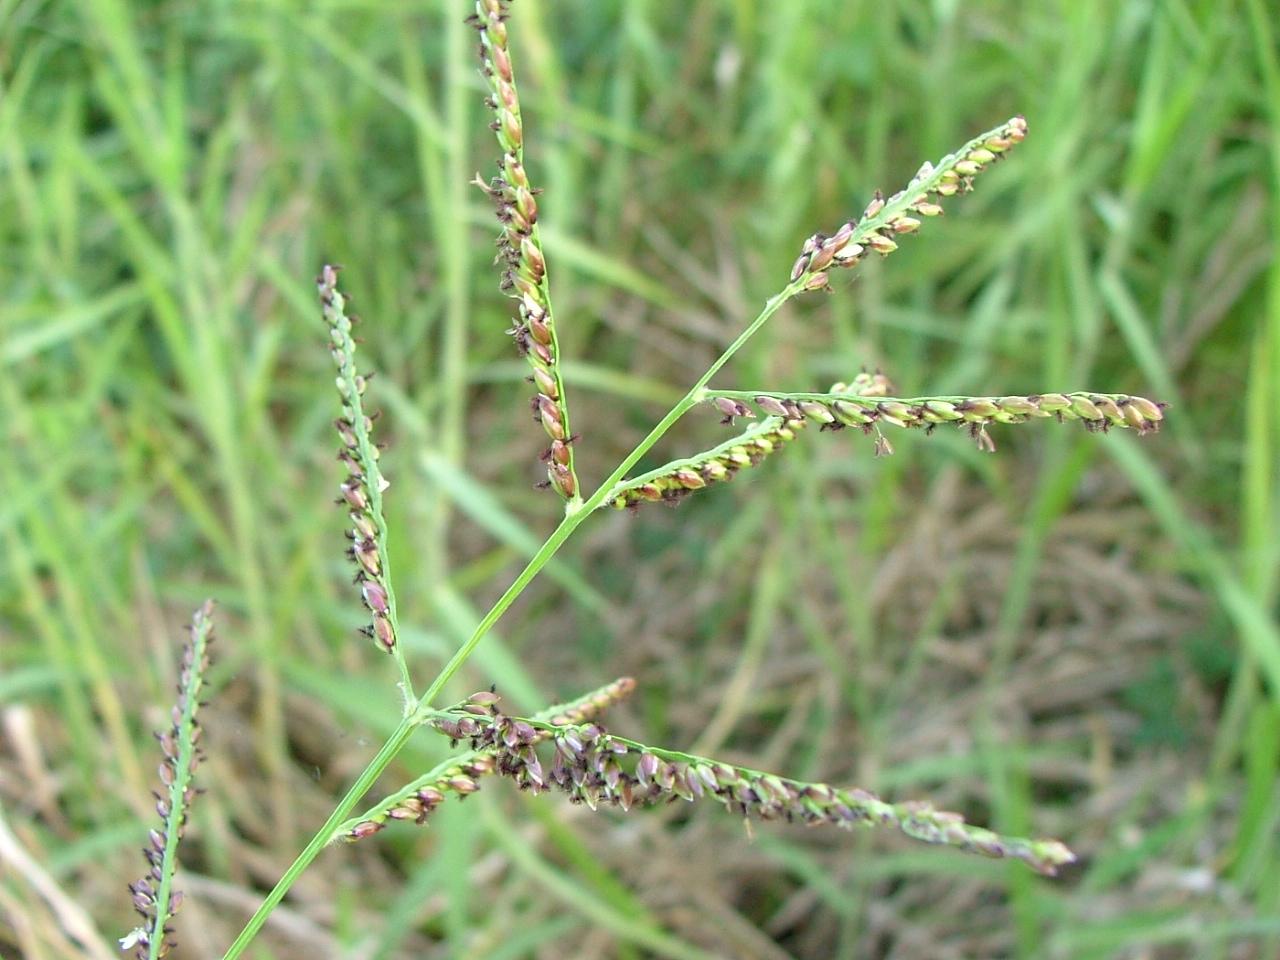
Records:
x=395, y=743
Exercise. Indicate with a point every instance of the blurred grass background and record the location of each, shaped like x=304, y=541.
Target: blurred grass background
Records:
x=1075, y=637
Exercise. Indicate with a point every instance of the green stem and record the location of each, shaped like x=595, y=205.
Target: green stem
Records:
x=358, y=789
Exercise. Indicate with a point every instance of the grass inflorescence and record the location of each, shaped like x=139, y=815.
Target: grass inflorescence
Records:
x=884, y=219
x=154, y=896
x=520, y=256
x=361, y=491
x=881, y=221
x=672, y=482
x=597, y=769
x=838, y=409
x=566, y=747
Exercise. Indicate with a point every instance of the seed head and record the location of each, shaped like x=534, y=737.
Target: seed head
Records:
x=153, y=896
x=364, y=485
x=678, y=479
x=520, y=256
x=882, y=219
x=864, y=403
x=597, y=769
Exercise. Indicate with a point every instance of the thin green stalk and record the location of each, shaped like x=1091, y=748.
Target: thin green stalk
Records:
x=395, y=743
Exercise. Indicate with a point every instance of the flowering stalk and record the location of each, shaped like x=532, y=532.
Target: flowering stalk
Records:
x=153, y=896
x=363, y=488
x=524, y=268
x=844, y=407
x=883, y=219
x=459, y=774
x=597, y=768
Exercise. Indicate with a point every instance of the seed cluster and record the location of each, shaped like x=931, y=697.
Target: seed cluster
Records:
x=598, y=769
x=884, y=219
x=460, y=775
x=361, y=491
x=678, y=479
x=847, y=406
x=524, y=268
x=153, y=896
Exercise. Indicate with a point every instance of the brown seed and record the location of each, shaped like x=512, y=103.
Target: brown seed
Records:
x=546, y=383
x=1149, y=410
x=539, y=331
x=562, y=478
x=385, y=633
x=375, y=596
x=772, y=406
x=365, y=829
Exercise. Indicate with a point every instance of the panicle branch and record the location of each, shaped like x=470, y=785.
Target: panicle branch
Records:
x=844, y=406
x=361, y=491
x=674, y=481
x=520, y=256
x=598, y=769
x=884, y=219
x=459, y=775
x=153, y=896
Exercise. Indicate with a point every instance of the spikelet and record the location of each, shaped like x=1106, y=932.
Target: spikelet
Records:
x=154, y=897
x=361, y=491
x=597, y=769
x=883, y=220
x=520, y=256
x=460, y=775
